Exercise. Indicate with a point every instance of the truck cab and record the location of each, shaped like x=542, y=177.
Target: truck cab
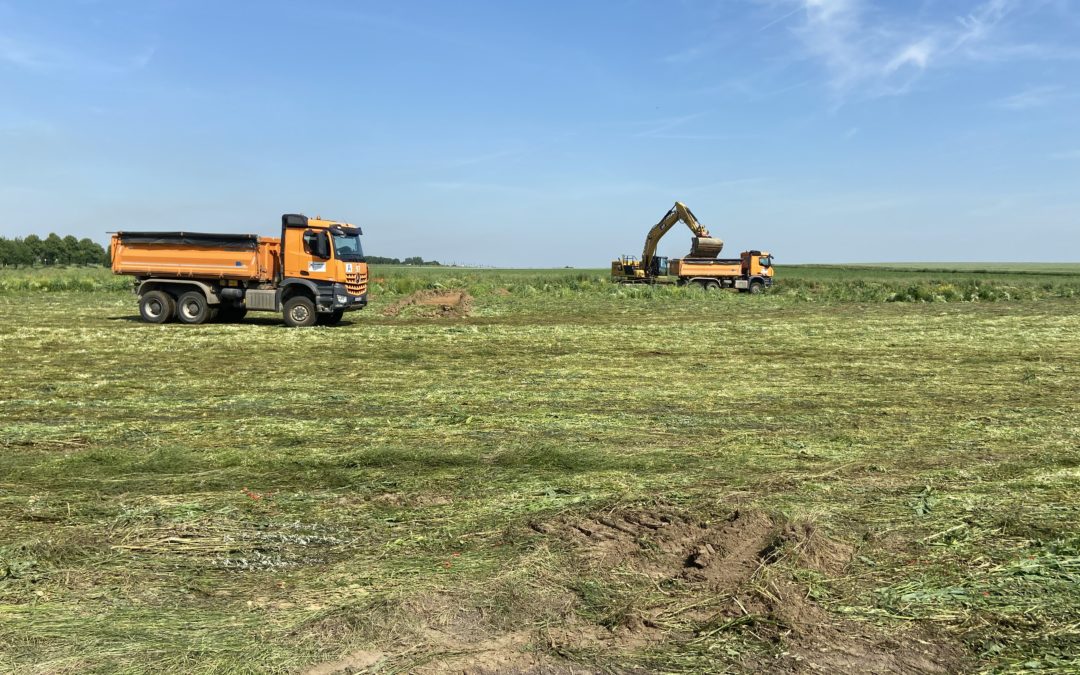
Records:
x=322, y=260
x=758, y=264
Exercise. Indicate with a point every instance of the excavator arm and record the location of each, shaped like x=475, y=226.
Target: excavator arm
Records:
x=704, y=245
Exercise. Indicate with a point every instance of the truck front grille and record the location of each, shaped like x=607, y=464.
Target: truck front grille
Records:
x=356, y=283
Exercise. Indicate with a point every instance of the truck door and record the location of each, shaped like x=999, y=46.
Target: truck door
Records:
x=308, y=255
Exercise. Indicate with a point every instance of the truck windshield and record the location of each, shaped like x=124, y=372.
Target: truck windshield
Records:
x=347, y=246
x=766, y=261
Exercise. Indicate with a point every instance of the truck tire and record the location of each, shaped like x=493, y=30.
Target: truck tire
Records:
x=157, y=307
x=192, y=308
x=331, y=319
x=713, y=285
x=299, y=312
x=757, y=287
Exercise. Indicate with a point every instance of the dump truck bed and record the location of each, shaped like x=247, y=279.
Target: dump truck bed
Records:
x=691, y=267
x=196, y=255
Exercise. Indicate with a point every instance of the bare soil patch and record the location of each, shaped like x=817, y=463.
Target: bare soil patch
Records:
x=696, y=578
x=739, y=572
x=356, y=662
x=443, y=304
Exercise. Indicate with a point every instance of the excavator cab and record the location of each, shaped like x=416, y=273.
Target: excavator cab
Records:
x=659, y=266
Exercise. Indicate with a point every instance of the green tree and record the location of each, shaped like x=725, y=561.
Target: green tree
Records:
x=18, y=253
x=52, y=249
x=34, y=251
x=70, y=253
x=90, y=252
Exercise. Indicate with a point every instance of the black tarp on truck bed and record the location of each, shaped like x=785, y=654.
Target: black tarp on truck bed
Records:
x=211, y=239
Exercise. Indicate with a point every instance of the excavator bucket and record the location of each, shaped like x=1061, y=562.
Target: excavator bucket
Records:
x=706, y=247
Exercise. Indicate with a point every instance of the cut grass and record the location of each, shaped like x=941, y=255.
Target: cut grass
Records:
x=241, y=497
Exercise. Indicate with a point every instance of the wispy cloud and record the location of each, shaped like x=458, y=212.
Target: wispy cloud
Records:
x=780, y=19
x=1034, y=97
x=43, y=55
x=872, y=50
x=860, y=52
x=658, y=128
x=689, y=54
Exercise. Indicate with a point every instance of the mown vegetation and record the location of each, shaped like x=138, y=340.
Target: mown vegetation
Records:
x=248, y=497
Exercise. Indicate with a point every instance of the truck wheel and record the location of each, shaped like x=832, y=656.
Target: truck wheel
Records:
x=757, y=287
x=713, y=285
x=192, y=308
x=331, y=319
x=299, y=312
x=156, y=307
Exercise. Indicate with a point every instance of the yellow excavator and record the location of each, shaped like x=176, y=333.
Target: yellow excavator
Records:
x=628, y=269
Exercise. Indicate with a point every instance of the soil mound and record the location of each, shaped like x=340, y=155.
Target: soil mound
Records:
x=442, y=304
x=665, y=544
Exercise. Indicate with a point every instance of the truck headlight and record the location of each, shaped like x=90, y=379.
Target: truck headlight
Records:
x=342, y=299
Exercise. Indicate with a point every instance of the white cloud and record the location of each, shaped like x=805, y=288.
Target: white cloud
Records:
x=917, y=55
x=872, y=49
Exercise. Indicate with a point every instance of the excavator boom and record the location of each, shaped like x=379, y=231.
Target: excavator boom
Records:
x=704, y=245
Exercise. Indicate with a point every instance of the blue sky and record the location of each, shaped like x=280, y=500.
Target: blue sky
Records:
x=553, y=133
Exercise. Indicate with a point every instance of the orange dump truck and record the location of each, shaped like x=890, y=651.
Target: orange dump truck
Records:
x=751, y=272
x=313, y=273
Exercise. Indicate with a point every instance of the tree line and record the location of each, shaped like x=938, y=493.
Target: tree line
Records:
x=415, y=260
x=52, y=250
x=56, y=250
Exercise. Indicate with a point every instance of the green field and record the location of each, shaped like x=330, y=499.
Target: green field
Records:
x=870, y=468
